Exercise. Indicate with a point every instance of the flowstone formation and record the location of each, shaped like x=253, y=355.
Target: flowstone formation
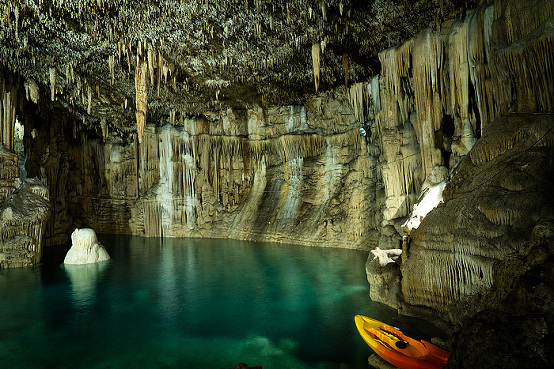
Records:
x=296, y=174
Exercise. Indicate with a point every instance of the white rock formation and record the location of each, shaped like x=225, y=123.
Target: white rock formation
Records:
x=85, y=248
x=386, y=256
x=430, y=200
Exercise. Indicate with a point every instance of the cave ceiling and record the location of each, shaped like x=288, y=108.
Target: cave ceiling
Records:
x=201, y=55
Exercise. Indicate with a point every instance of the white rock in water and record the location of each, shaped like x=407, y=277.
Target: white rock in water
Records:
x=85, y=248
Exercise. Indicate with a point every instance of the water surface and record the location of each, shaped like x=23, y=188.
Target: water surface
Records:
x=185, y=303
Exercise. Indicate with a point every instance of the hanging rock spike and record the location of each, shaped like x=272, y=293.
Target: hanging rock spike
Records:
x=316, y=59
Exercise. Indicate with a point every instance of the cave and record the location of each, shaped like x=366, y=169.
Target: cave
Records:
x=321, y=124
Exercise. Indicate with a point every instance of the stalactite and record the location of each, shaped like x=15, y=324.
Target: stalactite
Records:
x=295, y=146
x=111, y=66
x=345, y=68
x=32, y=92
x=395, y=64
x=499, y=216
x=160, y=69
x=172, y=117
x=152, y=64
x=427, y=56
x=316, y=59
x=357, y=95
x=376, y=94
x=89, y=99
x=141, y=89
x=8, y=106
x=454, y=274
x=104, y=128
x=478, y=54
x=493, y=146
x=52, y=73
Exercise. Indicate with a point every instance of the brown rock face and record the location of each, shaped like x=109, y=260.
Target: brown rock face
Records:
x=23, y=220
x=441, y=93
x=296, y=174
x=491, y=207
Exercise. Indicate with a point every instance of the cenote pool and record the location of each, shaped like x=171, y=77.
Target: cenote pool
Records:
x=187, y=303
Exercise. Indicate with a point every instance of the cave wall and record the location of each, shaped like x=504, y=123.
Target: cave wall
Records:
x=295, y=174
x=461, y=102
x=24, y=203
x=343, y=169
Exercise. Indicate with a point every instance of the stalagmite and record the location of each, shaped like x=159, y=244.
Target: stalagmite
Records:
x=23, y=215
x=141, y=89
x=316, y=59
x=85, y=248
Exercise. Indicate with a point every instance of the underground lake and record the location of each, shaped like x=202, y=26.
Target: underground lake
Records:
x=191, y=303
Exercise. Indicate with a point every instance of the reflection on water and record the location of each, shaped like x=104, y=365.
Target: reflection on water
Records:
x=83, y=279
x=190, y=304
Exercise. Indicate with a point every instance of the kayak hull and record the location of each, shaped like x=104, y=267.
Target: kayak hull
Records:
x=398, y=349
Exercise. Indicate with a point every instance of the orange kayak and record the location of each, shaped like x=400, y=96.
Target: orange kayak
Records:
x=398, y=349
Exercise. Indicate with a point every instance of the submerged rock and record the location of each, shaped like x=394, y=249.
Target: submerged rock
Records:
x=85, y=248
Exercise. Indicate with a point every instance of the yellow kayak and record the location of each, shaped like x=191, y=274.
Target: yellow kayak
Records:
x=398, y=349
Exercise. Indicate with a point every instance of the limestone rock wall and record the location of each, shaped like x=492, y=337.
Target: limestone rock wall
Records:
x=439, y=90
x=440, y=93
x=491, y=206
x=8, y=172
x=296, y=174
x=24, y=204
x=23, y=221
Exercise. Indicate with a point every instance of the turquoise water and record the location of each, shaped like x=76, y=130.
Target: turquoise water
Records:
x=183, y=303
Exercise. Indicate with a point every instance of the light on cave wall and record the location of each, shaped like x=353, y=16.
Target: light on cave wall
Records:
x=432, y=197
